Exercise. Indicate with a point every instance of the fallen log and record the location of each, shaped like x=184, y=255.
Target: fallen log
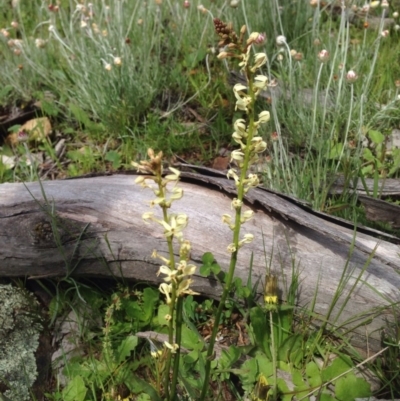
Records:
x=93, y=227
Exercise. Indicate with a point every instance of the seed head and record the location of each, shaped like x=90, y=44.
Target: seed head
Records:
x=225, y=32
x=40, y=43
x=351, y=76
x=280, y=40
x=323, y=56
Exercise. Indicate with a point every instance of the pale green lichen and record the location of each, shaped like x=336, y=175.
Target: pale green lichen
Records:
x=19, y=339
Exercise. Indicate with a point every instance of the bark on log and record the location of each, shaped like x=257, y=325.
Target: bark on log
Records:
x=99, y=231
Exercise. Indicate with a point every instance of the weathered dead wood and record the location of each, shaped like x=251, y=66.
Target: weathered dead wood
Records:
x=375, y=209
x=101, y=233
x=387, y=187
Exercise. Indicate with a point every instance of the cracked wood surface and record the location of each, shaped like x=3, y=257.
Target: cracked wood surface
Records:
x=97, y=230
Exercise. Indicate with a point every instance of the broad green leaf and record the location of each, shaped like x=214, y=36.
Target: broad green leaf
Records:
x=74, y=369
x=150, y=298
x=350, y=387
x=291, y=349
x=265, y=365
x=143, y=397
x=376, y=137
x=113, y=157
x=249, y=372
x=338, y=366
x=367, y=170
x=327, y=397
x=209, y=265
x=191, y=339
x=284, y=390
x=5, y=91
x=79, y=114
x=207, y=258
x=205, y=270
x=49, y=108
x=297, y=378
x=260, y=329
x=229, y=356
x=284, y=366
x=137, y=386
x=75, y=390
x=367, y=155
x=14, y=128
x=215, y=268
x=163, y=310
x=125, y=348
x=335, y=151
x=191, y=358
x=313, y=374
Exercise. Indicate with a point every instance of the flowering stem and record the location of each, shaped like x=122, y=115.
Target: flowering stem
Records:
x=273, y=352
x=173, y=298
x=178, y=340
x=178, y=275
x=236, y=236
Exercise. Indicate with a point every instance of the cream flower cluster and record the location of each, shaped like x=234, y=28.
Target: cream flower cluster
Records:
x=246, y=136
x=177, y=275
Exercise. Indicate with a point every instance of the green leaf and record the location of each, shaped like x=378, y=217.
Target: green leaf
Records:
x=125, y=348
x=150, y=299
x=207, y=258
x=191, y=339
x=14, y=128
x=340, y=365
x=215, y=268
x=137, y=386
x=163, y=310
x=376, y=137
x=297, y=378
x=248, y=373
x=313, y=374
x=367, y=155
x=291, y=349
x=326, y=397
x=367, y=170
x=191, y=358
x=113, y=157
x=260, y=329
x=209, y=265
x=193, y=58
x=75, y=368
x=205, y=270
x=75, y=390
x=80, y=115
x=284, y=390
x=49, y=108
x=5, y=91
x=335, y=151
x=350, y=387
x=143, y=397
x=265, y=365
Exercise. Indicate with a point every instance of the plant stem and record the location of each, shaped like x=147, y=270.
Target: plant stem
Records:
x=171, y=304
x=178, y=340
x=273, y=352
x=236, y=233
